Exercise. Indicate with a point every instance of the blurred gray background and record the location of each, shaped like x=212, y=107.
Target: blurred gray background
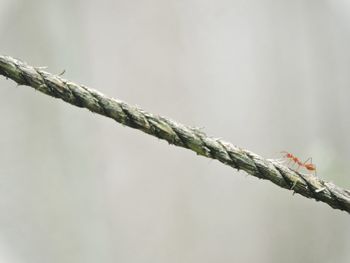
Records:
x=265, y=75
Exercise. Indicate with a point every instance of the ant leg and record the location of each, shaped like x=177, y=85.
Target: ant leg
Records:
x=290, y=166
x=299, y=164
x=310, y=158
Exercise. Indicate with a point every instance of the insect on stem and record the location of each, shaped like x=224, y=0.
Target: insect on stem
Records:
x=308, y=165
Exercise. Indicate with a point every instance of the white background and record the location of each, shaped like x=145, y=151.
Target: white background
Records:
x=265, y=75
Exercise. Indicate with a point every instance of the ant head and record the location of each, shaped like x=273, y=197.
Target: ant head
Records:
x=287, y=154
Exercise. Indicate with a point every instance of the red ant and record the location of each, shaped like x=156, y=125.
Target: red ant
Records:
x=308, y=166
